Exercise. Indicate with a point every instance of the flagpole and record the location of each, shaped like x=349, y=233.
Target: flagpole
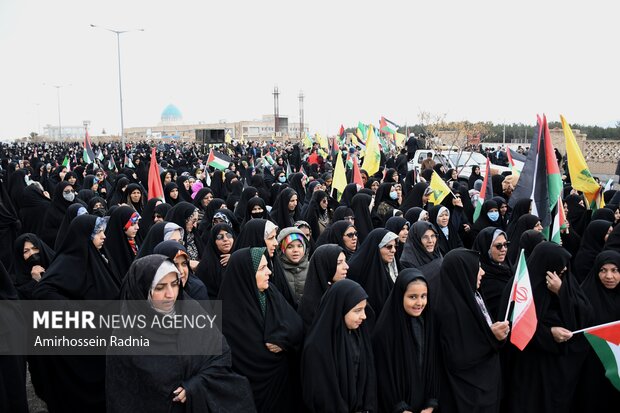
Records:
x=512, y=288
x=583, y=330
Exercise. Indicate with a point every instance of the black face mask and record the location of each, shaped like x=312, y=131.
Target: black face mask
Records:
x=34, y=259
x=99, y=212
x=257, y=214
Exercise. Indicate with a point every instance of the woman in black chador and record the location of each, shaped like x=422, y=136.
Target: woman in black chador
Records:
x=172, y=382
x=79, y=272
x=404, y=348
x=328, y=265
x=338, y=372
x=595, y=393
x=263, y=330
x=543, y=377
x=469, y=340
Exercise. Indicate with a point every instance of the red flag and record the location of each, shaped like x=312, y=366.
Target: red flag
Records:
x=341, y=133
x=155, y=188
x=357, y=176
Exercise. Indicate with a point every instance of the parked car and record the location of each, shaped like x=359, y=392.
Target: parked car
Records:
x=461, y=161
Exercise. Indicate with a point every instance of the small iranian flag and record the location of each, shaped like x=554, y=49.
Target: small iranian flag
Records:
x=605, y=340
x=524, y=318
x=218, y=160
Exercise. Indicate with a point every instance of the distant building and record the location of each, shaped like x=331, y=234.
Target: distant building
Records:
x=171, y=125
x=68, y=132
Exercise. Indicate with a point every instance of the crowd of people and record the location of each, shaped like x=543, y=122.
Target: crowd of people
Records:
x=372, y=300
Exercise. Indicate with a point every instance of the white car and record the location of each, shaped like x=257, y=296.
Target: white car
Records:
x=461, y=161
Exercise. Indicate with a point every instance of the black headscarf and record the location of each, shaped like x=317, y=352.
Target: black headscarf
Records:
x=524, y=223
x=280, y=214
x=252, y=202
x=200, y=195
x=33, y=209
x=253, y=235
x=414, y=197
x=529, y=240
x=337, y=365
x=55, y=214
x=363, y=222
x=473, y=177
x=314, y=211
x=404, y=349
x=604, y=214
x=236, y=190
x=592, y=243
x=148, y=215
x=79, y=271
x=613, y=241
x=24, y=283
x=415, y=255
x=210, y=269
x=341, y=212
x=578, y=216
x=367, y=268
x=445, y=243
x=117, y=195
x=179, y=214
x=395, y=225
x=153, y=238
x=334, y=234
x=347, y=195
x=71, y=213
x=167, y=190
x=521, y=207
x=247, y=330
x=137, y=206
x=184, y=194
x=116, y=245
x=483, y=220
x=413, y=214
x=318, y=280
x=247, y=194
x=193, y=286
x=496, y=274
x=471, y=375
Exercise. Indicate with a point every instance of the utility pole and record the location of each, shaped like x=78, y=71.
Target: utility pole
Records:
x=301, y=114
x=276, y=109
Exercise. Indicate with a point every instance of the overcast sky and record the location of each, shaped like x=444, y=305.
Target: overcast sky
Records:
x=354, y=60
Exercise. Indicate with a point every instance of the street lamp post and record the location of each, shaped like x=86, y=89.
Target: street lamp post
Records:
x=58, y=87
x=120, y=88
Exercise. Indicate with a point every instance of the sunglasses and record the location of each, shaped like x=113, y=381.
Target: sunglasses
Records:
x=501, y=246
x=220, y=237
x=390, y=247
x=351, y=234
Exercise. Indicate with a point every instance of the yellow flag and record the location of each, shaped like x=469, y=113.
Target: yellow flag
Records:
x=399, y=139
x=227, y=138
x=307, y=141
x=440, y=189
x=372, y=155
x=322, y=140
x=340, y=177
x=580, y=176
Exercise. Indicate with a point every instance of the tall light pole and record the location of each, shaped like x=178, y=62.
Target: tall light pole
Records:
x=58, y=87
x=120, y=88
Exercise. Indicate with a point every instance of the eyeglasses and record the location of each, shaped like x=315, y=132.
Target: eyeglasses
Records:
x=351, y=234
x=390, y=247
x=501, y=246
x=220, y=237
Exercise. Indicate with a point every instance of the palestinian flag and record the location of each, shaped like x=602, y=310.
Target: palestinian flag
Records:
x=512, y=157
x=386, y=126
x=128, y=163
x=341, y=134
x=268, y=158
x=605, y=340
x=218, y=160
x=99, y=155
x=88, y=155
x=486, y=192
x=524, y=320
x=111, y=163
x=554, y=178
x=66, y=163
x=534, y=182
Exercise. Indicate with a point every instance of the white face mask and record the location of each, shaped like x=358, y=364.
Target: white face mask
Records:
x=68, y=196
x=394, y=195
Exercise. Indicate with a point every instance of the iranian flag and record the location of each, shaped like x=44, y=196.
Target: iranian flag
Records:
x=486, y=192
x=605, y=340
x=218, y=160
x=524, y=318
